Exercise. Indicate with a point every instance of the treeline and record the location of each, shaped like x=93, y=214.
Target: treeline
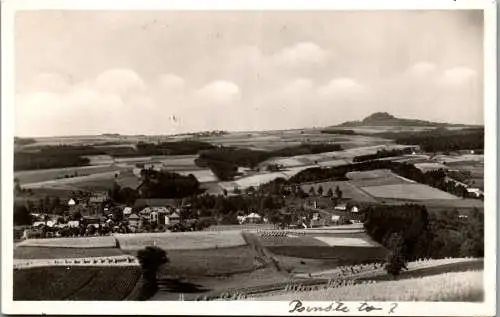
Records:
x=23, y=141
x=339, y=131
x=414, y=233
x=382, y=154
x=441, y=139
x=34, y=161
x=224, y=161
x=164, y=148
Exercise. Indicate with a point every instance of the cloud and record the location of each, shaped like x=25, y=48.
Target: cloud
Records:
x=304, y=53
x=119, y=81
x=340, y=86
x=422, y=69
x=298, y=86
x=219, y=91
x=171, y=82
x=457, y=76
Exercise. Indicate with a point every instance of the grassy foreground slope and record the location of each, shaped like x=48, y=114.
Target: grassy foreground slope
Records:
x=457, y=286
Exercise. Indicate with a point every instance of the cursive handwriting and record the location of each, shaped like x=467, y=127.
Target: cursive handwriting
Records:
x=296, y=306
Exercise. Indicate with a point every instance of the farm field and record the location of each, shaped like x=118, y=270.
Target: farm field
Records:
x=86, y=242
x=427, y=167
x=202, y=175
x=42, y=252
x=253, y=180
x=38, y=176
x=75, y=283
x=98, y=181
x=455, y=286
x=408, y=192
x=354, y=242
x=181, y=240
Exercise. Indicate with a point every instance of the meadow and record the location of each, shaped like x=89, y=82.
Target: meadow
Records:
x=408, y=192
x=349, y=191
x=87, y=242
x=181, y=240
x=455, y=286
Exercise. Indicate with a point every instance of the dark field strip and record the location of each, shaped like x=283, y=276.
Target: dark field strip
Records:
x=29, y=252
x=345, y=254
x=75, y=283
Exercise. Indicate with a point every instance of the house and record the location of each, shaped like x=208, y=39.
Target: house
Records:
x=127, y=211
x=354, y=209
x=475, y=192
x=341, y=207
x=71, y=202
x=73, y=224
x=134, y=221
x=172, y=219
x=99, y=198
x=253, y=218
x=335, y=218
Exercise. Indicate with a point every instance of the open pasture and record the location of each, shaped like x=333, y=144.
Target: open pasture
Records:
x=252, y=181
x=38, y=176
x=353, y=242
x=349, y=190
x=100, y=181
x=453, y=287
x=75, y=283
x=408, y=192
x=376, y=178
x=212, y=262
x=181, y=240
x=202, y=175
x=428, y=166
x=77, y=242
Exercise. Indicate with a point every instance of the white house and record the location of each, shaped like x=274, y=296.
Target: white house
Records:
x=335, y=218
x=354, y=209
x=71, y=202
x=73, y=223
x=127, y=211
x=475, y=191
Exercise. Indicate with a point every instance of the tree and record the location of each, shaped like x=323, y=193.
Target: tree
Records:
x=151, y=259
x=396, y=261
x=320, y=190
x=312, y=192
x=338, y=193
x=117, y=214
x=329, y=193
x=22, y=216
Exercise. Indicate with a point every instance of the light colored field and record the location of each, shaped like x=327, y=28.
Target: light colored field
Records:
x=456, y=286
x=74, y=181
x=351, y=242
x=100, y=159
x=459, y=158
x=80, y=242
x=181, y=240
x=36, y=176
x=408, y=191
x=254, y=180
x=376, y=178
x=427, y=167
x=203, y=176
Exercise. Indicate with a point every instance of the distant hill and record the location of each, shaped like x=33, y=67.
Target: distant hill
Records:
x=386, y=119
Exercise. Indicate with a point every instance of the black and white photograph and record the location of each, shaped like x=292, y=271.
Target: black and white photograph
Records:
x=332, y=161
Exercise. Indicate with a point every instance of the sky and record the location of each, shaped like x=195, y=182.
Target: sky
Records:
x=165, y=72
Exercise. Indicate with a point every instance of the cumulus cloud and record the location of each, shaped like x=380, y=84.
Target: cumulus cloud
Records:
x=171, y=82
x=298, y=86
x=304, y=53
x=340, y=86
x=119, y=81
x=219, y=91
x=457, y=76
x=422, y=69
